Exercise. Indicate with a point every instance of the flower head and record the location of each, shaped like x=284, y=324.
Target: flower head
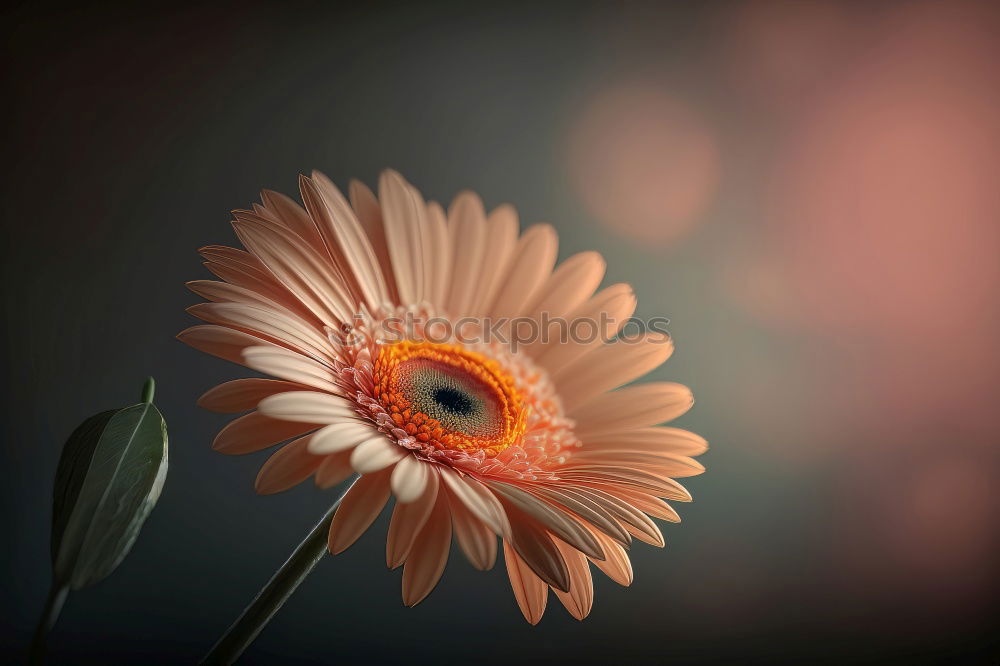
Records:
x=417, y=348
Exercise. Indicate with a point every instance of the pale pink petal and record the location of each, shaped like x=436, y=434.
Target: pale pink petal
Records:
x=292, y=215
x=409, y=479
x=594, y=323
x=616, y=565
x=530, y=591
x=636, y=500
x=428, y=253
x=534, y=544
x=289, y=365
x=298, y=266
x=361, y=506
x=376, y=454
x=634, y=478
x=243, y=279
x=467, y=236
x=477, y=498
x=616, y=502
x=308, y=406
x=366, y=207
x=407, y=521
x=220, y=341
x=532, y=263
x=631, y=407
x=474, y=537
x=402, y=216
x=569, y=286
x=624, y=505
x=654, y=539
x=271, y=325
x=440, y=244
x=287, y=467
x=245, y=270
x=224, y=292
x=663, y=464
x=335, y=468
x=254, y=432
x=582, y=506
x=351, y=248
x=325, y=242
x=559, y=523
x=240, y=395
x=501, y=239
x=580, y=598
x=241, y=259
x=657, y=508
x=572, y=283
x=428, y=555
x=649, y=440
x=609, y=367
x=341, y=437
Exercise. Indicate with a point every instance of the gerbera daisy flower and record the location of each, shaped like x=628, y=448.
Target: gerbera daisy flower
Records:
x=395, y=334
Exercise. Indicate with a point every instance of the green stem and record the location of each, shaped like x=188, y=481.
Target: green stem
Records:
x=277, y=591
x=53, y=605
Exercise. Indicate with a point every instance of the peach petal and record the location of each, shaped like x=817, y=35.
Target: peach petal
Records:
x=287, y=467
x=429, y=554
x=532, y=263
x=289, y=365
x=306, y=274
x=580, y=597
x=632, y=407
x=501, y=239
x=474, y=537
x=254, y=432
x=343, y=436
x=375, y=454
x=409, y=479
x=240, y=395
x=308, y=406
x=220, y=341
x=467, y=234
x=648, y=440
x=407, y=521
x=613, y=305
x=609, y=367
x=530, y=591
x=343, y=232
x=616, y=565
x=335, y=468
x=359, y=509
x=401, y=215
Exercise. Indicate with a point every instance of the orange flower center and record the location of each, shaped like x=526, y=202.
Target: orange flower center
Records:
x=448, y=397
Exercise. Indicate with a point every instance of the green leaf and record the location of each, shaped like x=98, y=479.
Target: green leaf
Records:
x=109, y=478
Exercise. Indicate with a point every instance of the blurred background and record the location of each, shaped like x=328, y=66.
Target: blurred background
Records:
x=807, y=189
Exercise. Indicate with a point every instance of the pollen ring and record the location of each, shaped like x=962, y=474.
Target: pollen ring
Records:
x=448, y=397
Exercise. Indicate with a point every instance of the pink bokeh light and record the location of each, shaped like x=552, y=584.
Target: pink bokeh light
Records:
x=880, y=229
x=779, y=52
x=877, y=249
x=644, y=161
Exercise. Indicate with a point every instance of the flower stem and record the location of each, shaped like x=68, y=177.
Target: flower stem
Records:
x=53, y=606
x=277, y=591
